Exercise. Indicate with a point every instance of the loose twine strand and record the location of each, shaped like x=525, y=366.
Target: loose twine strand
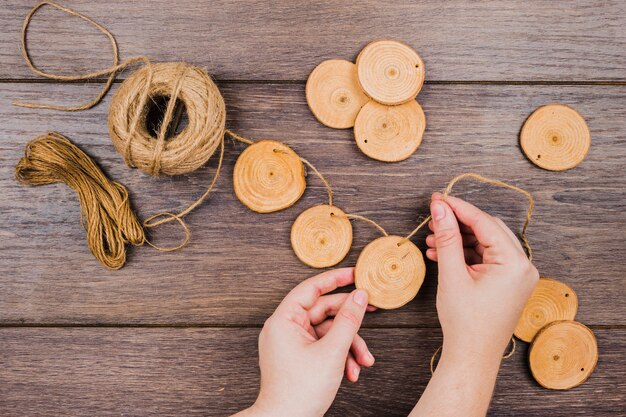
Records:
x=110, y=71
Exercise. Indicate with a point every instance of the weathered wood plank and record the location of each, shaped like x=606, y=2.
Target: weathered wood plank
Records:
x=285, y=40
x=239, y=264
x=213, y=372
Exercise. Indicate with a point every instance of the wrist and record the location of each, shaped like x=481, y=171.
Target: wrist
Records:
x=472, y=358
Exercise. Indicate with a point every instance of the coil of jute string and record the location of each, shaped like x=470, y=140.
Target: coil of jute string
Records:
x=106, y=213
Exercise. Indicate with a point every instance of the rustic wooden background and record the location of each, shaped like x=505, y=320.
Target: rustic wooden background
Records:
x=175, y=333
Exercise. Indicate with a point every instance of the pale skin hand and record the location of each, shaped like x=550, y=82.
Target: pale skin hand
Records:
x=485, y=280
x=304, y=352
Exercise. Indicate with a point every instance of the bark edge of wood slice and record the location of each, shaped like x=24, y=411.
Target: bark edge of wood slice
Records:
x=321, y=236
x=390, y=133
x=334, y=94
x=268, y=176
x=555, y=137
x=390, y=71
x=563, y=355
x=391, y=274
x=550, y=301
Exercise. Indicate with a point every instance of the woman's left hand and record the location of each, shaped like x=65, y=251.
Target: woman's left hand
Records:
x=303, y=352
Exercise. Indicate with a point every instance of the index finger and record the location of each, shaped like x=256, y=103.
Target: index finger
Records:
x=307, y=292
x=486, y=229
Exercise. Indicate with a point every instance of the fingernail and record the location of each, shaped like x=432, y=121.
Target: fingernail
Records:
x=356, y=372
x=360, y=297
x=438, y=211
x=369, y=355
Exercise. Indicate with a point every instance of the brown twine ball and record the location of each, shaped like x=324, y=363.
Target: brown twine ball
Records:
x=184, y=152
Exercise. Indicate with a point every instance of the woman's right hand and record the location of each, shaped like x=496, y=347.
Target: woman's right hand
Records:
x=485, y=278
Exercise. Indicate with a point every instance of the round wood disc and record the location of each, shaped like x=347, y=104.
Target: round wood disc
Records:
x=563, y=355
x=390, y=72
x=321, y=236
x=268, y=176
x=391, y=269
x=334, y=94
x=551, y=301
x=555, y=137
x=390, y=133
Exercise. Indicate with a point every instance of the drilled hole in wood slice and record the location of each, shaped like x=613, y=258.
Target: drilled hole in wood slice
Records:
x=268, y=176
x=334, y=94
x=563, y=355
x=555, y=137
x=390, y=72
x=391, y=269
x=321, y=236
x=393, y=132
x=550, y=301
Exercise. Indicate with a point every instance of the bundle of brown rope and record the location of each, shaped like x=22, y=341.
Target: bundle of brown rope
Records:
x=106, y=213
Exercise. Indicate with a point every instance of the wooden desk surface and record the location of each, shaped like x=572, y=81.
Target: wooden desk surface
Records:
x=175, y=333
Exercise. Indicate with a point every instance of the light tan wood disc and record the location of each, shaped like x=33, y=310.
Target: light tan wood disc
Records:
x=390, y=133
x=563, y=355
x=390, y=72
x=268, y=176
x=551, y=301
x=334, y=94
x=321, y=236
x=555, y=137
x=392, y=274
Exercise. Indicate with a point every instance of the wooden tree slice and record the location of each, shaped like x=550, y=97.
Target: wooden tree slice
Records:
x=334, y=94
x=321, y=236
x=563, y=355
x=390, y=72
x=555, y=137
x=390, y=133
x=551, y=301
x=391, y=269
x=268, y=176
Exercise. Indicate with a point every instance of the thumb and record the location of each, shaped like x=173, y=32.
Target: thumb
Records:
x=347, y=322
x=448, y=239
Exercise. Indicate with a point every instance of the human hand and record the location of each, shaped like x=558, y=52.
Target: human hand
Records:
x=485, y=279
x=303, y=353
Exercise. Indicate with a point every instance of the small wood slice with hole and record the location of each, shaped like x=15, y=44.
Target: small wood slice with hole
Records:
x=268, y=176
x=390, y=72
x=563, y=355
x=555, y=137
x=390, y=133
x=391, y=269
x=334, y=94
x=321, y=236
x=551, y=301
